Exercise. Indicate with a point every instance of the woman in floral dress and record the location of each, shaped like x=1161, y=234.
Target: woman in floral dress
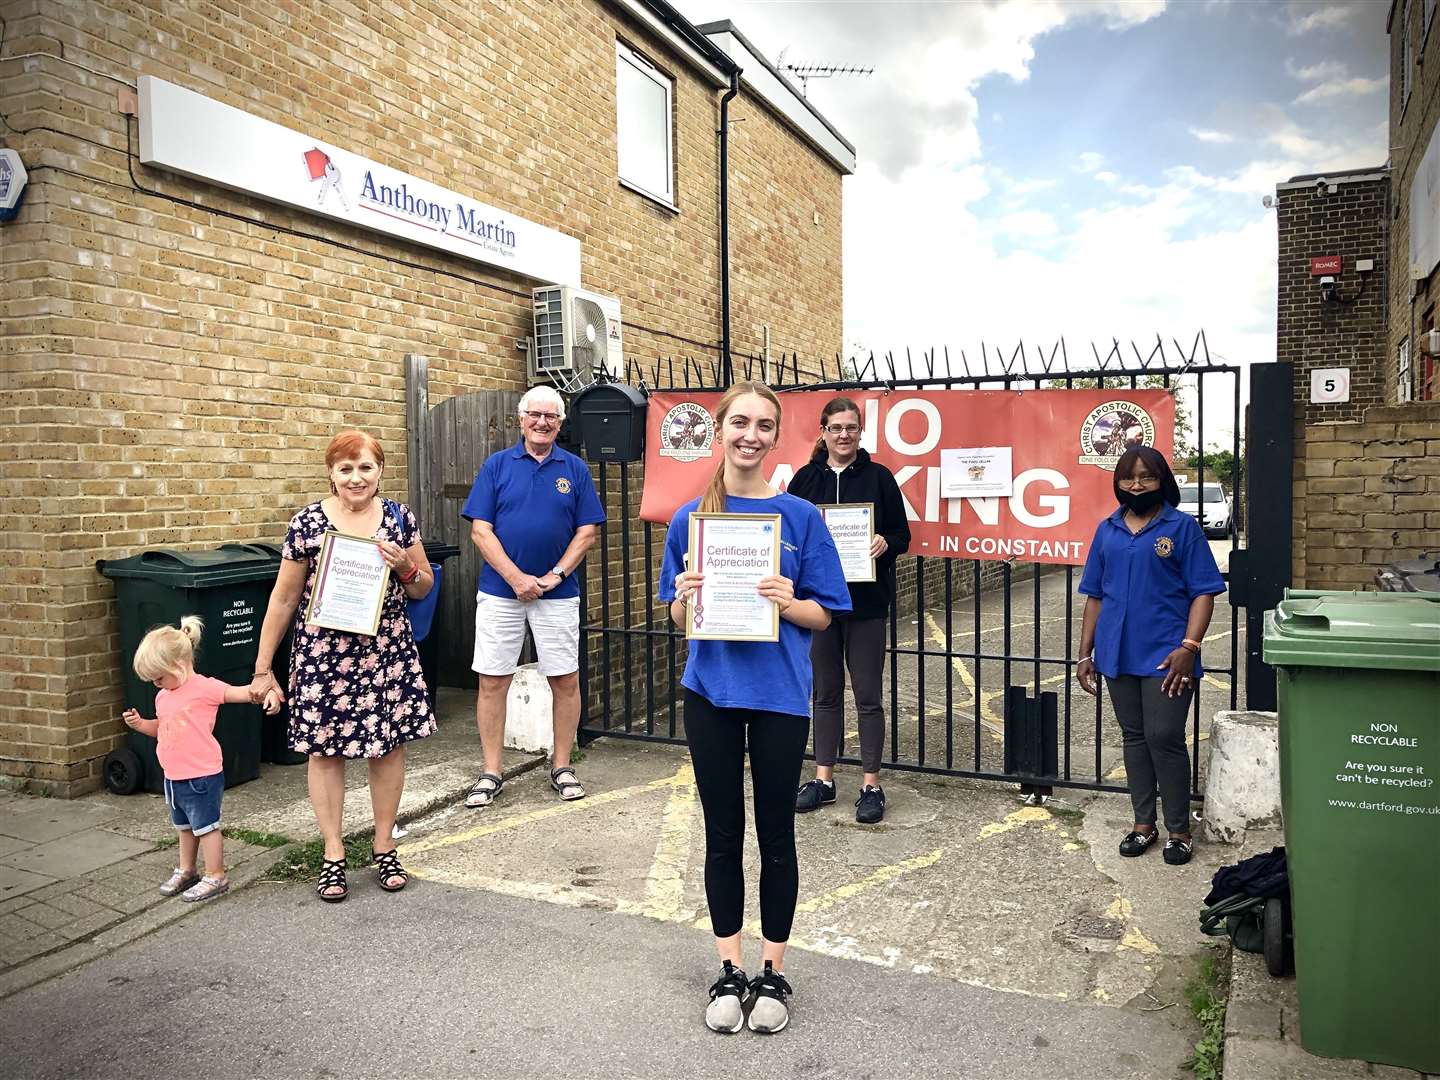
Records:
x=351, y=695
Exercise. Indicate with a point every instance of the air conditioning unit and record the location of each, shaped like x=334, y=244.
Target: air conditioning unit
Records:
x=1430, y=342
x=577, y=338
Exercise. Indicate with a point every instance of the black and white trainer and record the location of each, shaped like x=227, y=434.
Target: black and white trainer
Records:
x=726, y=1011
x=770, y=1001
x=814, y=794
x=1136, y=843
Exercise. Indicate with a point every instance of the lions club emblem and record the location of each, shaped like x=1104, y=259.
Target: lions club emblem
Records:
x=1164, y=546
x=562, y=485
x=1111, y=429
x=687, y=432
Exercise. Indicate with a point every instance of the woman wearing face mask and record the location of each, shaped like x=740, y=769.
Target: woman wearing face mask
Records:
x=841, y=472
x=1150, y=584
x=754, y=693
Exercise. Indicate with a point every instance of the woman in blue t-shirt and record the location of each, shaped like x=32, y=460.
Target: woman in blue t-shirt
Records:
x=755, y=688
x=1150, y=581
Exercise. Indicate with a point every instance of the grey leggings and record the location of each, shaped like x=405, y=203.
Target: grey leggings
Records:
x=858, y=644
x=1153, y=725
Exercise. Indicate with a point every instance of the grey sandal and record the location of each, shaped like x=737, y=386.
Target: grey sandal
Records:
x=569, y=790
x=178, y=882
x=206, y=888
x=485, y=790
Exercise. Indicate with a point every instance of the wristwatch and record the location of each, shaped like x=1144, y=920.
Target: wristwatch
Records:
x=558, y=571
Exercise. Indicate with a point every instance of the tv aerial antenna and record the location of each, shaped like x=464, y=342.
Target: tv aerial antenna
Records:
x=806, y=72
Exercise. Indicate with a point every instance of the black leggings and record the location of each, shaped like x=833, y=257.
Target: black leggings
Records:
x=717, y=749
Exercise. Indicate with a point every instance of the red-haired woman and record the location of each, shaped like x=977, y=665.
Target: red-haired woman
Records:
x=351, y=695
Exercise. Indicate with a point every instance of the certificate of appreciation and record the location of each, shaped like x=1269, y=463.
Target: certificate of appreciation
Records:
x=733, y=551
x=852, y=527
x=350, y=582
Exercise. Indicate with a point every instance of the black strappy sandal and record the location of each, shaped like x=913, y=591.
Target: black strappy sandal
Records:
x=332, y=876
x=387, y=865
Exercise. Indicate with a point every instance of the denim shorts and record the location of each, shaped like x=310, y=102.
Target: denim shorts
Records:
x=195, y=804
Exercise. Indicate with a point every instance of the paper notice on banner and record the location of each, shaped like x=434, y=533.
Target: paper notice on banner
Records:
x=733, y=551
x=975, y=472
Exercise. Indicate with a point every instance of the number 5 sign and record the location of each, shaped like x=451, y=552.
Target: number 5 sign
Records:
x=1329, y=386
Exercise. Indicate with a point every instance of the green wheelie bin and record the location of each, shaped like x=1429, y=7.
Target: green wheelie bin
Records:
x=1359, y=689
x=229, y=588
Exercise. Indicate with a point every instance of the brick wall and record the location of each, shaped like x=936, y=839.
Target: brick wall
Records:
x=1412, y=304
x=177, y=356
x=1372, y=493
x=1312, y=334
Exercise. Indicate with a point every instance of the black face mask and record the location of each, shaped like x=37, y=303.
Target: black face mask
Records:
x=1143, y=502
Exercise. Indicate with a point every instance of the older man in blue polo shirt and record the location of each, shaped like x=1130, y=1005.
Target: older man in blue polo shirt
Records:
x=533, y=513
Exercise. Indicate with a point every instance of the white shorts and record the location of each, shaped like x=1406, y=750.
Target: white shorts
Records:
x=500, y=632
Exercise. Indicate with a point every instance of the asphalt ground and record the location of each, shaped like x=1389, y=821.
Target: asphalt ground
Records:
x=967, y=936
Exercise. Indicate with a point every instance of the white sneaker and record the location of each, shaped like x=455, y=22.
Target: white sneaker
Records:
x=726, y=1011
x=770, y=994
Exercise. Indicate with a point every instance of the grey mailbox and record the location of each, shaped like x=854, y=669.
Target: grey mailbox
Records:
x=610, y=419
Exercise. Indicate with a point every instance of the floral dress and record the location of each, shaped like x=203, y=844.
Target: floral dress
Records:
x=354, y=695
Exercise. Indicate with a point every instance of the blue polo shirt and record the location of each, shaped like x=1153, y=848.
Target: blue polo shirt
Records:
x=1146, y=583
x=535, y=508
x=766, y=676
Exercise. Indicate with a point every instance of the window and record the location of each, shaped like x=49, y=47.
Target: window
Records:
x=1407, y=58
x=1403, y=377
x=643, y=103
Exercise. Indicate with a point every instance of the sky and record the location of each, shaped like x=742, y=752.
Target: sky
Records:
x=1034, y=169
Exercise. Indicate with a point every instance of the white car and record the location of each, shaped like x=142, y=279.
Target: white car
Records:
x=1213, y=514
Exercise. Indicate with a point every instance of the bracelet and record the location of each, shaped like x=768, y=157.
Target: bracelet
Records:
x=257, y=674
x=414, y=573
x=1084, y=658
x=1192, y=645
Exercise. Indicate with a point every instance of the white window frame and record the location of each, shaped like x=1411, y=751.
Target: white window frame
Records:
x=1404, y=376
x=1407, y=60
x=626, y=56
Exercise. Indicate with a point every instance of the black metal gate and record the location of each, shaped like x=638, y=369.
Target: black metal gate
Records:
x=973, y=646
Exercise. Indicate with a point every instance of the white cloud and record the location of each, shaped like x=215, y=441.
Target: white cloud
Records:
x=1302, y=18
x=1105, y=176
x=1341, y=88
x=1325, y=69
x=1089, y=161
x=1207, y=136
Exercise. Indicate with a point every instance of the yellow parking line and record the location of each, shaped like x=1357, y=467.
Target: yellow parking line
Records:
x=665, y=884
x=882, y=876
x=603, y=799
x=988, y=719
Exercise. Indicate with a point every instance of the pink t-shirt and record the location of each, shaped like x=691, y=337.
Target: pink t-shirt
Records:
x=186, y=732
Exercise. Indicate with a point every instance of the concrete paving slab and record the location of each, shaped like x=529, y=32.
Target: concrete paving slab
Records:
x=53, y=820
x=10, y=844
x=14, y=882
x=74, y=855
x=961, y=881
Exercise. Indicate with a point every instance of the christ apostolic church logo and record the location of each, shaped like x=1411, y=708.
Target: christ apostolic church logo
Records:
x=687, y=433
x=1111, y=429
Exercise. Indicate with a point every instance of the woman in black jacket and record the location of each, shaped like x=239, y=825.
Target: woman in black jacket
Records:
x=841, y=472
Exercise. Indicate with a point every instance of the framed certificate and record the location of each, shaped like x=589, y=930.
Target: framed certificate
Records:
x=350, y=582
x=733, y=551
x=852, y=527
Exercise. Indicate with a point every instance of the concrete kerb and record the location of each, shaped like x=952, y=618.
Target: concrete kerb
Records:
x=165, y=911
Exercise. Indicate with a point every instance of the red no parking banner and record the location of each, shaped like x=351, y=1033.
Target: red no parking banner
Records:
x=1064, y=445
